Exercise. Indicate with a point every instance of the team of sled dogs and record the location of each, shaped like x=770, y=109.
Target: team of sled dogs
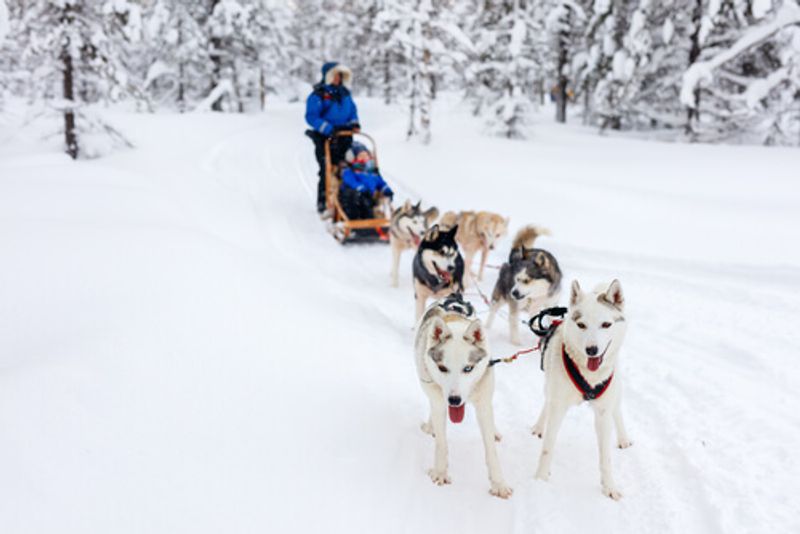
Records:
x=451, y=347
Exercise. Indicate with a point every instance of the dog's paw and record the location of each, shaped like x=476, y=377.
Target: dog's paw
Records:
x=624, y=443
x=498, y=437
x=440, y=478
x=427, y=428
x=611, y=491
x=500, y=489
x=537, y=431
x=542, y=475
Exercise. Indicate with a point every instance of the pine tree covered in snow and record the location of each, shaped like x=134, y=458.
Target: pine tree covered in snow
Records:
x=72, y=50
x=432, y=45
x=178, y=63
x=565, y=22
x=746, y=49
x=503, y=80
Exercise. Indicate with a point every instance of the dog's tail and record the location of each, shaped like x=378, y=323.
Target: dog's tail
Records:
x=527, y=235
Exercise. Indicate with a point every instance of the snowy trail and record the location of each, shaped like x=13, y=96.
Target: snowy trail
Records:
x=207, y=358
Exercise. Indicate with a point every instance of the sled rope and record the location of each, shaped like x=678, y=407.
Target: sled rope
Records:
x=513, y=357
x=544, y=333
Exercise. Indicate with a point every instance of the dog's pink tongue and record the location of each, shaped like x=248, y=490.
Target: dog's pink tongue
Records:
x=594, y=363
x=457, y=413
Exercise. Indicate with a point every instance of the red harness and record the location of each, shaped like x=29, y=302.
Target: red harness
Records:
x=589, y=393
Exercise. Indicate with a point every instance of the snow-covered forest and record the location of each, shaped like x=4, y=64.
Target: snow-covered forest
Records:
x=689, y=70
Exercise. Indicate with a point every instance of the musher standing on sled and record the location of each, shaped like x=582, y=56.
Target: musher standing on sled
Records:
x=330, y=109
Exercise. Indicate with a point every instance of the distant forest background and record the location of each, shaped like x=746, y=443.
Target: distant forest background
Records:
x=707, y=70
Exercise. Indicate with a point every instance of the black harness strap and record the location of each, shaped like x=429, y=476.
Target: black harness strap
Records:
x=545, y=333
x=589, y=393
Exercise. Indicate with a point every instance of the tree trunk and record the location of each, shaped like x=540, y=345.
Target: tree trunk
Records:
x=693, y=113
x=262, y=84
x=387, y=78
x=181, y=72
x=563, y=61
x=216, y=61
x=70, y=135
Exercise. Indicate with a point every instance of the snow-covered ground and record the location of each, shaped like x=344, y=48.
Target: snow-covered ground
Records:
x=184, y=349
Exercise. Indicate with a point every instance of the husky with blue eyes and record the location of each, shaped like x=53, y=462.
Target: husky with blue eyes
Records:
x=452, y=359
x=580, y=365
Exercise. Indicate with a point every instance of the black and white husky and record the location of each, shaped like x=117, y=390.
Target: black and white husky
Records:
x=580, y=364
x=452, y=359
x=406, y=228
x=438, y=267
x=529, y=281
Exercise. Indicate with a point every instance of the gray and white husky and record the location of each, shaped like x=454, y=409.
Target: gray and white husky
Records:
x=452, y=358
x=406, y=228
x=529, y=281
x=580, y=364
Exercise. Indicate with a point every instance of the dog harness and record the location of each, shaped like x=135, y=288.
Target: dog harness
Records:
x=589, y=393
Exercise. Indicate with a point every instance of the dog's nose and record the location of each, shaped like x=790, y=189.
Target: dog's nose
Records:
x=591, y=350
x=454, y=400
x=516, y=294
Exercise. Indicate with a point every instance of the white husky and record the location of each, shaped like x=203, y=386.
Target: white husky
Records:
x=452, y=358
x=580, y=365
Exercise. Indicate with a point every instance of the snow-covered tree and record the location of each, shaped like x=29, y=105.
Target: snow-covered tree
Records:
x=507, y=65
x=565, y=22
x=430, y=42
x=74, y=59
x=177, y=59
x=748, y=50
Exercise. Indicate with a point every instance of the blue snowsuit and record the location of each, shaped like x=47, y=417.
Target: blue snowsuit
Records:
x=329, y=107
x=365, y=182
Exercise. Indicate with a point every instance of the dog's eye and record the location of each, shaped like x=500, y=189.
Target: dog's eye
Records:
x=582, y=326
x=443, y=369
x=468, y=369
x=606, y=325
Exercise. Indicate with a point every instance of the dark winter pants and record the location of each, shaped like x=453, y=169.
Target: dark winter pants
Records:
x=339, y=145
x=357, y=205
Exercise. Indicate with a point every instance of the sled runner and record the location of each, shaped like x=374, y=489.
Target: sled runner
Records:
x=344, y=228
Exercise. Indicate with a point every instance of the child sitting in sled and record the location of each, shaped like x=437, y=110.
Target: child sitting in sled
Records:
x=363, y=188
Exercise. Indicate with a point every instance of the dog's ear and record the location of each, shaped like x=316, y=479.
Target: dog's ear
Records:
x=474, y=334
x=417, y=205
x=438, y=332
x=433, y=233
x=541, y=260
x=613, y=295
x=451, y=233
x=407, y=207
x=517, y=254
x=575, y=293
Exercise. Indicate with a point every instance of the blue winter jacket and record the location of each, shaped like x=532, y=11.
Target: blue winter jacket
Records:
x=367, y=182
x=330, y=106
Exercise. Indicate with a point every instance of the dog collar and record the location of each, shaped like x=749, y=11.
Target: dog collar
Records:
x=589, y=393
